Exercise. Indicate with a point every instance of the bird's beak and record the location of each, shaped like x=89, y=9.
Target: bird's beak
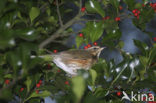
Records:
x=102, y=48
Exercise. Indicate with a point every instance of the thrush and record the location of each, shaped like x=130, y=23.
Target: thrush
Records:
x=72, y=60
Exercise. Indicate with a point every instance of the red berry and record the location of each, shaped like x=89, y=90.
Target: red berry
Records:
x=40, y=82
x=21, y=89
x=154, y=39
x=117, y=19
x=58, y=70
x=151, y=4
x=118, y=93
x=88, y=45
x=83, y=9
x=143, y=5
x=136, y=14
x=134, y=11
x=66, y=82
x=154, y=5
x=144, y=98
x=37, y=91
x=55, y=51
x=38, y=85
x=95, y=43
x=120, y=7
x=49, y=66
x=80, y=35
x=7, y=81
x=106, y=18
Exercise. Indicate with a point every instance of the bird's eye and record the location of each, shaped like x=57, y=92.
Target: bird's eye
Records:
x=95, y=48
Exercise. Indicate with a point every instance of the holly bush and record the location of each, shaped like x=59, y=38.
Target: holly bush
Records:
x=30, y=27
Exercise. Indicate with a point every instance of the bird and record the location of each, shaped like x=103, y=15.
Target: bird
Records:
x=72, y=60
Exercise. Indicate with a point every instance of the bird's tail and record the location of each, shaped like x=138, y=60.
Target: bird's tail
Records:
x=47, y=57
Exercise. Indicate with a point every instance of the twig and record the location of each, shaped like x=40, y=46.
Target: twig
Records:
x=96, y=20
x=58, y=13
x=115, y=80
x=80, y=6
x=61, y=29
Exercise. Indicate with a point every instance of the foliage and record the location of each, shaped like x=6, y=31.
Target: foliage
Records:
x=25, y=24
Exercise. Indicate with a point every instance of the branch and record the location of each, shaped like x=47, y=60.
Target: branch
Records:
x=58, y=13
x=61, y=29
x=80, y=6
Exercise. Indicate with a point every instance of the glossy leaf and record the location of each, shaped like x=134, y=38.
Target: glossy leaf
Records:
x=2, y=5
x=28, y=84
x=79, y=41
x=93, y=75
x=144, y=60
x=6, y=40
x=152, y=55
x=142, y=46
x=121, y=44
x=24, y=51
x=78, y=87
x=115, y=34
x=27, y=33
x=13, y=58
x=40, y=94
x=130, y=3
x=34, y=12
x=115, y=3
x=94, y=30
x=94, y=6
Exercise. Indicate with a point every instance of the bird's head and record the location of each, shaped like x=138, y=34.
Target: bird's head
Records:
x=95, y=50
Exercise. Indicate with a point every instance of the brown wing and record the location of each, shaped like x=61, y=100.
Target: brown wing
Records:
x=80, y=58
x=76, y=54
x=86, y=63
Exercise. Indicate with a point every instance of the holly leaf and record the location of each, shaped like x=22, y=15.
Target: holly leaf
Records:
x=79, y=41
x=40, y=94
x=94, y=30
x=93, y=75
x=34, y=12
x=28, y=84
x=78, y=86
x=94, y=7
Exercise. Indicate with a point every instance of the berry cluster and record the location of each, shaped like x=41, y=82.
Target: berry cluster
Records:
x=95, y=43
x=38, y=85
x=89, y=45
x=153, y=5
x=136, y=13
